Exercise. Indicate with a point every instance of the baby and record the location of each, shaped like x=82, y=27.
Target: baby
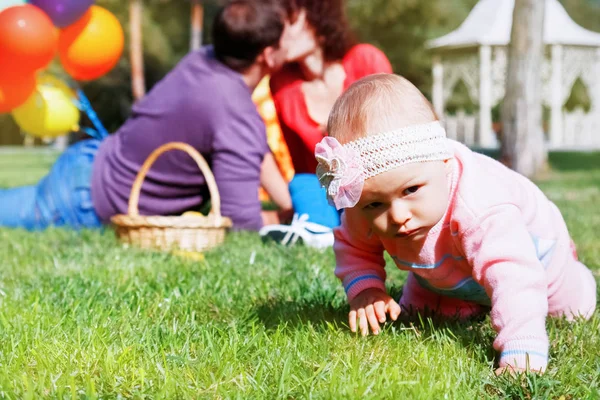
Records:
x=472, y=233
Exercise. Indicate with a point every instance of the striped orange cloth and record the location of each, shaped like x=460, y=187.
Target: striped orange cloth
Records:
x=266, y=108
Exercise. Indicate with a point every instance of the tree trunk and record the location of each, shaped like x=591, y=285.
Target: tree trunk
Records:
x=196, y=25
x=136, y=49
x=523, y=144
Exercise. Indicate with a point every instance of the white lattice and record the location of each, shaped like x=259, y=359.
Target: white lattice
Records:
x=499, y=67
x=582, y=131
x=463, y=67
x=579, y=130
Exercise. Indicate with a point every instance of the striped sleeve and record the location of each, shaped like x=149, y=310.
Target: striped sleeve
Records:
x=359, y=259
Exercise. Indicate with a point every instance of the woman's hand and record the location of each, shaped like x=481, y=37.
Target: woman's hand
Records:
x=300, y=38
x=370, y=308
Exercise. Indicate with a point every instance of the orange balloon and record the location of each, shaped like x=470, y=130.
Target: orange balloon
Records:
x=28, y=41
x=92, y=46
x=15, y=92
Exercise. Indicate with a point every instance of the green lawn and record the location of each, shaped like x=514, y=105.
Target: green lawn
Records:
x=82, y=317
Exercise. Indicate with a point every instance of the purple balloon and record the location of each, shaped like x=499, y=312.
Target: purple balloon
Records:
x=63, y=12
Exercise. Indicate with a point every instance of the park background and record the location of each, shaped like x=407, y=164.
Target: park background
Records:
x=83, y=317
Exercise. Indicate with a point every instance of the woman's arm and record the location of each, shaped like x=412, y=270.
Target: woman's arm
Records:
x=272, y=181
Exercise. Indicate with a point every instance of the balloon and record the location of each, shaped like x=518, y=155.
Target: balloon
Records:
x=28, y=41
x=13, y=93
x=9, y=3
x=50, y=112
x=63, y=12
x=92, y=46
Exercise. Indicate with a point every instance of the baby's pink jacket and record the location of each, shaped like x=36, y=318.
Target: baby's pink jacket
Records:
x=501, y=243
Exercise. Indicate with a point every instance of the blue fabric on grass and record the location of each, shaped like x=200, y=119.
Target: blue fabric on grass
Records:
x=63, y=197
x=308, y=197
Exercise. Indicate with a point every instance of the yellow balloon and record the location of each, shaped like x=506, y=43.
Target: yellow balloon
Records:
x=50, y=80
x=50, y=111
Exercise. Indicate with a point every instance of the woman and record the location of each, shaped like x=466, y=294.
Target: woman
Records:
x=329, y=60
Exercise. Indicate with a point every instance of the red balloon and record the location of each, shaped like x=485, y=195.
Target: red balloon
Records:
x=28, y=41
x=15, y=92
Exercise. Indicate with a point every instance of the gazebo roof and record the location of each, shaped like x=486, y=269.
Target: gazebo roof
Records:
x=490, y=23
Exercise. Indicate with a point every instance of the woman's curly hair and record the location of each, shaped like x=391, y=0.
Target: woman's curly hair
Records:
x=328, y=17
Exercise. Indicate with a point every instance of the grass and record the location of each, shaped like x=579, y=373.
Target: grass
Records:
x=82, y=317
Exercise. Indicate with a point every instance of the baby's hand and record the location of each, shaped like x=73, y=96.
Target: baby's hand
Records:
x=371, y=307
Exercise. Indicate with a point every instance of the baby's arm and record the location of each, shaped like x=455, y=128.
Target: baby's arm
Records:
x=361, y=268
x=505, y=262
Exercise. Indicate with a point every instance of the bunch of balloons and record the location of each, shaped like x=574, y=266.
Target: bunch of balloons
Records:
x=88, y=40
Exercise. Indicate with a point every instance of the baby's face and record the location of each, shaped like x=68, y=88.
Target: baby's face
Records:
x=406, y=202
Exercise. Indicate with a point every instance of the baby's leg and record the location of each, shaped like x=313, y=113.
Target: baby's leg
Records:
x=576, y=295
x=416, y=298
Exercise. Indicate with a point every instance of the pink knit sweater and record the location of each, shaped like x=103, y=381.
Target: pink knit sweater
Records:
x=501, y=243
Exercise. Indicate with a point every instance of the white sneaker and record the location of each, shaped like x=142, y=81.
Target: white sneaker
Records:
x=300, y=231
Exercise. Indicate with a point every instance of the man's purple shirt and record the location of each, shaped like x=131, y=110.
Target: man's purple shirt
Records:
x=207, y=105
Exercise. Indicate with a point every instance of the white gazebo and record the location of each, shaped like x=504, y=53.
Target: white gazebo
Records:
x=476, y=53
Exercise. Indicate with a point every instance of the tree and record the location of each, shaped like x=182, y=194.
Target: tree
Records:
x=523, y=147
x=136, y=49
x=197, y=16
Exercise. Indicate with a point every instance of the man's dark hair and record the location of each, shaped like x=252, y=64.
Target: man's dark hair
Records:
x=244, y=28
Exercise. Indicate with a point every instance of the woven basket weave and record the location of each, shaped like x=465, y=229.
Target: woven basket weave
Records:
x=189, y=233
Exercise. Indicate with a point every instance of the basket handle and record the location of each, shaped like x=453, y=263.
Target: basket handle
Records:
x=208, y=175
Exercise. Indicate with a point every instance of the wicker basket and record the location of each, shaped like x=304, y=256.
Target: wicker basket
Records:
x=188, y=233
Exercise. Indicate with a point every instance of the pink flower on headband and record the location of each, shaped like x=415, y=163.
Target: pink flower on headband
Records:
x=340, y=172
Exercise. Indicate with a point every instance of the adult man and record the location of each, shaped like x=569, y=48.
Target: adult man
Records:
x=204, y=101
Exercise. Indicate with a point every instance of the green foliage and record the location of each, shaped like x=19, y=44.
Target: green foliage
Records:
x=9, y=131
x=83, y=317
x=585, y=12
x=579, y=97
x=402, y=27
x=497, y=112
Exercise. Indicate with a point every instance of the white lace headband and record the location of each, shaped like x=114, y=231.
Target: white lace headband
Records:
x=342, y=170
